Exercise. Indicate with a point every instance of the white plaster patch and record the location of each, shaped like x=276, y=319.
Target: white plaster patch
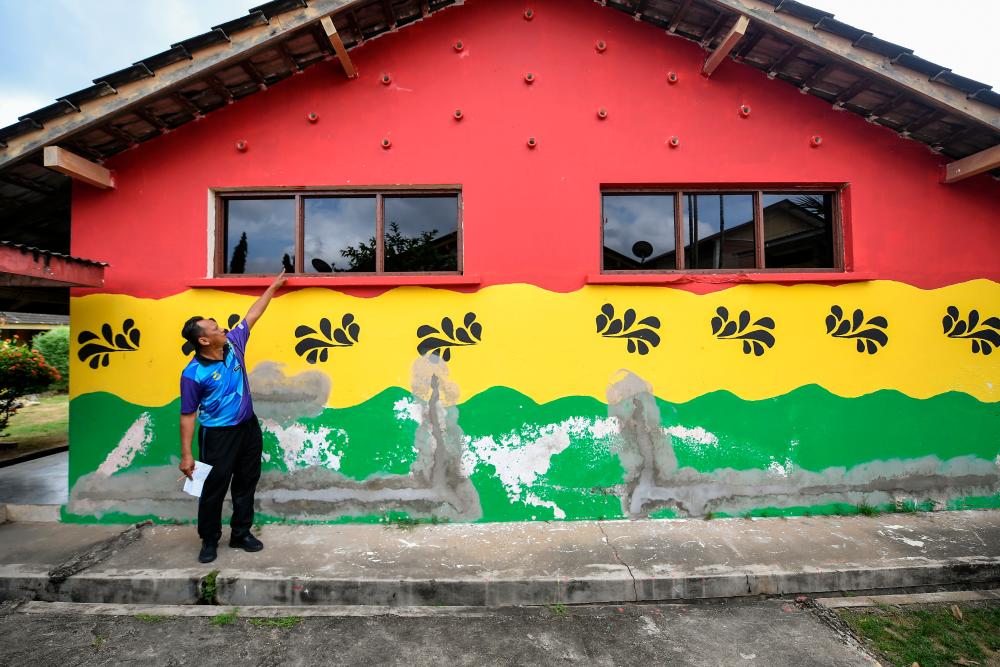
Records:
x=521, y=456
x=649, y=627
x=407, y=409
x=697, y=438
x=777, y=469
x=302, y=447
x=136, y=439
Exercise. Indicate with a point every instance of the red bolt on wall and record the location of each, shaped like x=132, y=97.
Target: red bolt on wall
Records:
x=674, y=142
x=745, y=110
x=386, y=79
x=312, y=117
x=531, y=142
x=602, y=113
x=459, y=46
x=241, y=145
x=816, y=141
x=386, y=143
x=529, y=78
x=672, y=77
x=601, y=46
x=529, y=14
x=458, y=114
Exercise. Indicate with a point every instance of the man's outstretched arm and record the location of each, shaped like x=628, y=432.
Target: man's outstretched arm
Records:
x=260, y=305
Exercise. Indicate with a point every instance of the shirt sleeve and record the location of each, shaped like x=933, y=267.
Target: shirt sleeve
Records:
x=190, y=395
x=239, y=336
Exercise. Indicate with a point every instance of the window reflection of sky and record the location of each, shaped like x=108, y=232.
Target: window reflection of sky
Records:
x=270, y=228
x=335, y=223
x=737, y=210
x=632, y=218
x=415, y=216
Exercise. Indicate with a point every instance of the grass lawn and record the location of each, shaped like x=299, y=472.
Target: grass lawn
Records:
x=930, y=635
x=36, y=427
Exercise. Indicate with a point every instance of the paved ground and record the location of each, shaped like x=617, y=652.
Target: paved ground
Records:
x=506, y=564
x=42, y=481
x=774, y=633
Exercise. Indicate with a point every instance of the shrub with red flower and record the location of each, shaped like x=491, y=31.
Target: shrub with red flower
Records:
x=22, y=371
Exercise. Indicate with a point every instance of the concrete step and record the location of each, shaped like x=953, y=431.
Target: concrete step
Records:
x=490, y=565
x=29, y=512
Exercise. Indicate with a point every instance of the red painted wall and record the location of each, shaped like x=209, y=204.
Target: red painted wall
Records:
x=534, y=215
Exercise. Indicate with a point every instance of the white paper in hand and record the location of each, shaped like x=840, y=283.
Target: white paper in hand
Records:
x=194, y=485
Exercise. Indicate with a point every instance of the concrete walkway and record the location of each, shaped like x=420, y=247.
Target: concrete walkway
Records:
x=43, y=481
x=506, y=564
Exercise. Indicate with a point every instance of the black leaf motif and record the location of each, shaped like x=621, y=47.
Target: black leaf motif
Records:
x=975, y=347
x=984, y=335
x=425, y=330
x=442, y=342
x=234, y=319
x=640, y=335
x=315, y=345
x=97, y=352
x=868, y=337
x=947, y=323
x=628, y=319
x=973, y=319
x=744, y=320
x=837, y=312
x=831, y=322
x=756, y=338
x=993, y=322
x=958, y=330
x=953, y=311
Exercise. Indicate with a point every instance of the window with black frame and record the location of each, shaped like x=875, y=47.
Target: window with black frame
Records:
x=361, y=232
x=734, y=230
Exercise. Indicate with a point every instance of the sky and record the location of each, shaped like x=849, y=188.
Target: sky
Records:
x=54, y=47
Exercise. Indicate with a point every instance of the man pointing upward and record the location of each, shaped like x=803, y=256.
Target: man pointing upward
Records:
x=216, y=390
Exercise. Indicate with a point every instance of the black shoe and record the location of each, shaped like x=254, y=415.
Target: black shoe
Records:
x=248, y=543
x=209, y=550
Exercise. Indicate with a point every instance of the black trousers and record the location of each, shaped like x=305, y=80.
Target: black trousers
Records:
x=234, y=454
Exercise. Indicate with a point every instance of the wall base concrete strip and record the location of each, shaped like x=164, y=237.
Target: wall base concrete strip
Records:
x=939, y=597
x=24, y=512
x=201, y=610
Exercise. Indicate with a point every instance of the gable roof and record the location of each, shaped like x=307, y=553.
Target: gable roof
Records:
x=848, y=67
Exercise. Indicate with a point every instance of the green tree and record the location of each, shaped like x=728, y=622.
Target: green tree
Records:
x=402, y=253
x=238, y=264
x=54, y=347
x=22, y=371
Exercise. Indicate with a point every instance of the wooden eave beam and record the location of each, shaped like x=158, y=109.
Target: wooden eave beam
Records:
x=726, y=46
x=986, y=160
x=338, y=47
x=881, y=67
x=678, y=16
x=77, y=168
x=173, y=77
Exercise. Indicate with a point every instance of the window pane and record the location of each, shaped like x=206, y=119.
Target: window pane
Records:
x=798, y=230
x=719, y=232
x=339, y=234
x=421, y=233
x=639, y=232
x=260, y=235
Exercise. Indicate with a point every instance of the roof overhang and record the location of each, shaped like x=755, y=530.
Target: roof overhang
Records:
x=21, y=266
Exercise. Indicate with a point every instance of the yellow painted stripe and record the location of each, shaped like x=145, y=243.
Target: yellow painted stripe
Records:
x=544, y=344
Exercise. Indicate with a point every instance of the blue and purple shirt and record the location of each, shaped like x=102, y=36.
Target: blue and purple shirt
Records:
x=221, y=389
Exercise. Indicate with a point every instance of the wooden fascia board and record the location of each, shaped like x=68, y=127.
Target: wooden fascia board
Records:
x=22, y=268
x=881, y=67
x=77, y=168
x=726, y=46
x=985, y=160
x=338, y=47
x=171, y=78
